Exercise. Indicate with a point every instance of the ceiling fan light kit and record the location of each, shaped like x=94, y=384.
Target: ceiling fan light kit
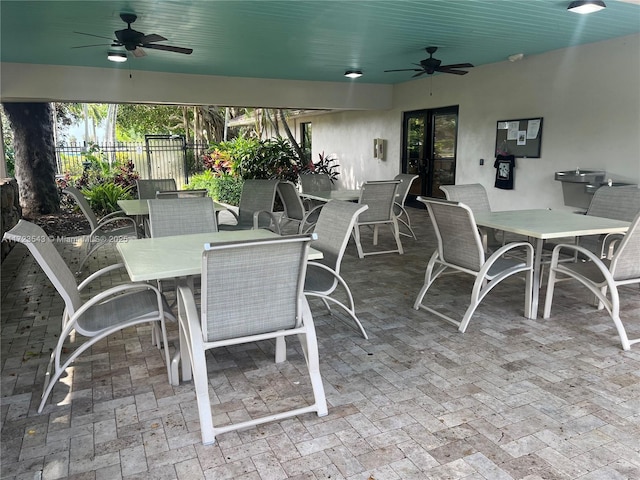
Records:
x=117, y=57
x=353, y=73
x=134, y=41
x=431, y=65
x=586, y=6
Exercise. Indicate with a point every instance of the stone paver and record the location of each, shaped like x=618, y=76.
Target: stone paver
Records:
x=511, y=398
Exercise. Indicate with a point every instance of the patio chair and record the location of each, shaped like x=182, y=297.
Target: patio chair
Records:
x=164, y=194
x=294, y=210
x=266, y=278
x=380, y=196
x=334, y=226
x=399, y=210
x=601, y=275
x=315, y=182
x=148, y=188
x=618, y=203
x=475, y=196
x=460, y=248
x=181, y=216
x=256, y=207
x=100, y=236
x=103, y=315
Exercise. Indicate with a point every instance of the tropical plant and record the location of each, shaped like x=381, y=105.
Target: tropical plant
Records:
x=326, y=164
x=224, y=188
x=104, y=197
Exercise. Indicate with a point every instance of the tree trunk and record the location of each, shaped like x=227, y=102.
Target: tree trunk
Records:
x=292, y=139
x=35, y=157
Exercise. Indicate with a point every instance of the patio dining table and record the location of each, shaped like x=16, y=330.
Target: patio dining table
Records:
x=175, y=256
x=541, y=225
x=140, y=208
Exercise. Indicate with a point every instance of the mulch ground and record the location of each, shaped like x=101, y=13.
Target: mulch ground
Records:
x=66, y=223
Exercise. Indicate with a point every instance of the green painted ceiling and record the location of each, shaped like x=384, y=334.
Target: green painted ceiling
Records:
x=305, y=39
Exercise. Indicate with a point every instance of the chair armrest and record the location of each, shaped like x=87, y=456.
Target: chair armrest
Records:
x=506, y=248
x=272, y=218
x=305, y=219
x=117, y=213
x=113, y=220
x=555, y=257
x=106, y=294
x=99, y=273
x=609, y=244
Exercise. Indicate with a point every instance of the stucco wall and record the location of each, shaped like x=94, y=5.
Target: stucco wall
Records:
x=589, y=98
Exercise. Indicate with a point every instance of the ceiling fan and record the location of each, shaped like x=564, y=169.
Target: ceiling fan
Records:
x=431, y=65
x=133, y=41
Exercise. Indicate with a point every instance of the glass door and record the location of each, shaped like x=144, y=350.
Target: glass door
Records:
x=429, y=149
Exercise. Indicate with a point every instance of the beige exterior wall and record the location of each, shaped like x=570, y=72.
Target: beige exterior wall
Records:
x=589, y=98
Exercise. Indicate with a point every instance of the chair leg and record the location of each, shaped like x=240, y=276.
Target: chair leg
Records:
x=549, y=297
x=309, y=343
x=396, y=233
x=356, y=237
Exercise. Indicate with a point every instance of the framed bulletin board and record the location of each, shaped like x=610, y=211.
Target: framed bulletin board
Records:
x=521, y=137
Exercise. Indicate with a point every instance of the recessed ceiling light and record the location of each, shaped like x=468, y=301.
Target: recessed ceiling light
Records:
x=586, y=6
x=117, y=56
x=353, y=73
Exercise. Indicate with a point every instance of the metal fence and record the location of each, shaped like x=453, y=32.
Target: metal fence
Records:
x=159, y=156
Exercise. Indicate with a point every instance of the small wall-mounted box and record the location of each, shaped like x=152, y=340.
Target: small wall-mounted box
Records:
x=378, y=148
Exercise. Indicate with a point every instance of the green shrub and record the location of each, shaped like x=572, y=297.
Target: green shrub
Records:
x=104, y=197
x=223, y=188
x=251, y=158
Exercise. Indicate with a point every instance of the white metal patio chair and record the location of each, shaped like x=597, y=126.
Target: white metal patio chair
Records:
x=618, y=203
x=333, y=228
x=100, y=235
x=108, y=312
x=256, y=207
x=294, y=209
x=474, y=195
x=266, y=278
x=148, y=188
x=315, y=182
x=399, y=209
x=460, y=248
x=602, y=275
x=380, y=196
x=181, y=216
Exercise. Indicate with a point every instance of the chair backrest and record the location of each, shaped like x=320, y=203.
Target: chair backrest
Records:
x=147, y=188
x=625, y=263
x=291, y=202
x=406, y=179
x=316, y=182
x=83, y=203
x=459, y=242
x=619, y=203
x=334, y=226
x=49, y=259
x=257, y=195
x=472, y=194
x=265, y=279
x=380, y=196
x=164, y=194
x=181, y=216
